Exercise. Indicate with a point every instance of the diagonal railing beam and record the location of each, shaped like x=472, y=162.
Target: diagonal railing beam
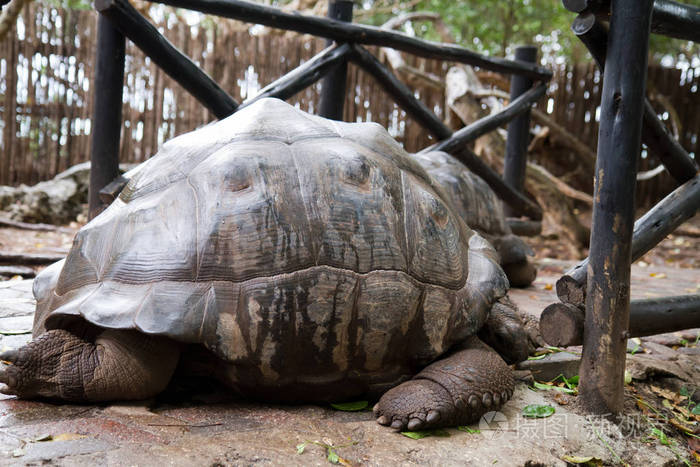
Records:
x=661, y=220
x=674, y=157
x=484, y=125
x=177, y=65
x=416, y=109
x=668, y=18
x=304, y=75
x=400, y=92
x=360, y=34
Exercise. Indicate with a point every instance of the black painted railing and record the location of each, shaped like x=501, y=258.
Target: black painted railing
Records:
x=594, y=307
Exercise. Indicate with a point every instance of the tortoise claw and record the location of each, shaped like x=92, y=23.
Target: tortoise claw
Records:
x=415, y=424
x=9, y=356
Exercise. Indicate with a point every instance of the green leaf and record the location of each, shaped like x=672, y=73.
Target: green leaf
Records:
x=332, y=456
x=573, y=380
x=663, y=439
x=538, y=411
x=628, y=377
x=350, y=406
x=468, y=430
x=301, y=447
x=547, y=387
x=696, y=410
x=13, y=332
x=587, y=460
x=424, y=433
x=637, y=346
x=538, y=357
x=416, y=434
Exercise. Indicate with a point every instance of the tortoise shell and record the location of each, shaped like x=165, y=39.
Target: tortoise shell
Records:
x=471, y=197
x=298, y=250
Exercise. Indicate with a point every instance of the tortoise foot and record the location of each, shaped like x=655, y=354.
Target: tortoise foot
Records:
x=119, y=365
x=35, y=370
x=456, y=390
x=520, y=274
x=505, y=333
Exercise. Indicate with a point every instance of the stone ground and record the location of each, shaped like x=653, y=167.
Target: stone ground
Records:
x=207, y=429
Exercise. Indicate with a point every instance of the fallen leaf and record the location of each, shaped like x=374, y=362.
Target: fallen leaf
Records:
x=538, y=411
x=350, y=406
x=548, y=287
x=657, y=275
x=68, y=437
x=561, y=399
x=469, y=430
x=666, y=394
x=424, y=434
x=14, y=332
x=683, y=427
x=694, y=444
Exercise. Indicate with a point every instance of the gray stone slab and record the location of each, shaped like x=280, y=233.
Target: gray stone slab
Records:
x=552, y=365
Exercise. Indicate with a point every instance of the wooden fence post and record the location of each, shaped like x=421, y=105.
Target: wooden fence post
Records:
x=619, y=141
x=515, y=159
x=107, y=114
x=333, y=87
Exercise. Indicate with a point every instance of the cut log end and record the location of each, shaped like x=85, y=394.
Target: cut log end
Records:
x=569, y=290
x=561, y=324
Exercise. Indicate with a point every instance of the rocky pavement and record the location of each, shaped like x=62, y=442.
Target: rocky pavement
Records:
x=209, y=430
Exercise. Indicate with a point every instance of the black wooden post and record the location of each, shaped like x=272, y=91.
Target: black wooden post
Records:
x=619, y=140
x=333, y=87
x=515, y=160
x=107, y=114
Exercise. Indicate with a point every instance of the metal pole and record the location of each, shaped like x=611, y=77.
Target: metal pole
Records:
x=333, y=87
x=515, y=160
x=619, y=140
x=108, y=87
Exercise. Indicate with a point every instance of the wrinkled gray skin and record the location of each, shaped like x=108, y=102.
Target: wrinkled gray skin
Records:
x=474, y=201
x=311, y=260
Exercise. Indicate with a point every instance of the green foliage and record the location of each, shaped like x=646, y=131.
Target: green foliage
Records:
x=469, y=430
x=538, y=411
x=496, y=27
x=350, y=406
x=425, y=434
x=70, y=4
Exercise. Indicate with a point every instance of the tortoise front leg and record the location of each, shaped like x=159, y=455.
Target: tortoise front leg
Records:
x=117, y=365
x=456, y=390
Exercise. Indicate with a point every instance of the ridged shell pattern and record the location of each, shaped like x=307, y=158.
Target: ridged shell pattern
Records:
x=471, y=197
x=300, y=251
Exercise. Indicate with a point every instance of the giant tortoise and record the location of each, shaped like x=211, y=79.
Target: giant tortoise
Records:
x=303, y=259
x=482, y=210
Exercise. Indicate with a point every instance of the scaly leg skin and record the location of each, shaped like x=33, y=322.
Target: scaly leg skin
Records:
x=504, y=332
x=118, y=365
x=514, y=254
x=456, y=390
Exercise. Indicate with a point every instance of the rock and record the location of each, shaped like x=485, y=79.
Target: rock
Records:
x=57, y=201
x=658, y=350
x=551, y=366
x=642, y=367
x=51, y=202
x=674, y=338
x=11, y=271
x=8, y=195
